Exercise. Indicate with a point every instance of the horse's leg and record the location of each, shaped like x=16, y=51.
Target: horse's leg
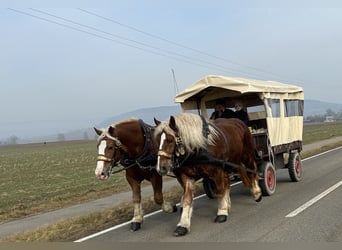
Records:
x=136, y=194
x=183, y=226
x=249, y=160
x=157, y=185
x=255, y=189
x=223, y=197
x=251, y=180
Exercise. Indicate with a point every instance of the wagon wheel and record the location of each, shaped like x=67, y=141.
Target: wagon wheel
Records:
x=209, y=188
x=268, y=181
x=295, y=166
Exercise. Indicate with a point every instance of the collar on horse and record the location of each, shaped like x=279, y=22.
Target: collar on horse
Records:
x=145, y=159
x=203, y=157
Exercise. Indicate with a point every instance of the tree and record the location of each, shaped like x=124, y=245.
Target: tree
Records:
x=330, y=112
x=12, y=140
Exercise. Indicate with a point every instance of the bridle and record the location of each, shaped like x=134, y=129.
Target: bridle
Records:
x=144, y=160
x=179, y=154
x=112, y=161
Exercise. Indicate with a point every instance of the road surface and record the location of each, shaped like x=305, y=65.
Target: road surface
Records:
x=309, y=210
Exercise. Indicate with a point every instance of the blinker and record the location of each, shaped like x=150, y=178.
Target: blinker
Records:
x=180, y=149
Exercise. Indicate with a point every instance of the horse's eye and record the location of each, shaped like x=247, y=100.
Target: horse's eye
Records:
x=110, y=148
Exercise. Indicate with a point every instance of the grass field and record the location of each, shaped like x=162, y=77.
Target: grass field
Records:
x=40, y=177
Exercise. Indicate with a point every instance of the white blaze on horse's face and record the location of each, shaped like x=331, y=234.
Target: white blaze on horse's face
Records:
x=100, y=167
x=162, y=168
x=162, y=139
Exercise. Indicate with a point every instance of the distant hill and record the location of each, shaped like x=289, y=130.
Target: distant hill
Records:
x=146, y=114
x=311, y=107
x=314, y=107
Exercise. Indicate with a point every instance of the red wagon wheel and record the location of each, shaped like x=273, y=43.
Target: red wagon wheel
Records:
x=269, y=182
x=295, y=167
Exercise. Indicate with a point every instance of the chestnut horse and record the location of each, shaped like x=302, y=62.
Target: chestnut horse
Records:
x=193, y=148
x=129, y=143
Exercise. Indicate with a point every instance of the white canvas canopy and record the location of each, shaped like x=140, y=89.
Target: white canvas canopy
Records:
x=239, y=85
x=281, y=129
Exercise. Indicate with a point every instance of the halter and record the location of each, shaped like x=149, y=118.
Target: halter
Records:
x=104, y=158
x=144, y=160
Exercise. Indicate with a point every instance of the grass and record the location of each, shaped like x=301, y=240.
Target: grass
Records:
x=40, y=177
x=37, y=177
x=321, y=131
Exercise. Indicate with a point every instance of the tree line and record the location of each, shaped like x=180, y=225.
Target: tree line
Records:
x=332, y=115
x=12, y=140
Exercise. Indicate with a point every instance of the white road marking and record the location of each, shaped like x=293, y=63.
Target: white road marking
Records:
x=313, y=200
x=158, y=211
x=128, y=222
x=325, y=152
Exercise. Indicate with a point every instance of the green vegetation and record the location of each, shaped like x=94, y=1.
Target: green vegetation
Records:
x=39, y=177
x=321, y=131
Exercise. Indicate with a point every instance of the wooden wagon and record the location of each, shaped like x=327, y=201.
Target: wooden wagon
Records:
x=275, y=112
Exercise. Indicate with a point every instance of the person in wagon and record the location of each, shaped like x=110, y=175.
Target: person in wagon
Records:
x=221, y=111
x=240, y=112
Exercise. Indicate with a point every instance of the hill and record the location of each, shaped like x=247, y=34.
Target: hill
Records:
x=311, y=107
x=146, y=114
x=315, y=107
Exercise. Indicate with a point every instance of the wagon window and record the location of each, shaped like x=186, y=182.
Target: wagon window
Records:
x=258, y=108
x=293, y=108
x=274, y=104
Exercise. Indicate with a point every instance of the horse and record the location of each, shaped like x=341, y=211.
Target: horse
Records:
x=194, y=148
x=129, y=143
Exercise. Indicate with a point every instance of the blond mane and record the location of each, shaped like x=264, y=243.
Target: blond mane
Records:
x=190, y=128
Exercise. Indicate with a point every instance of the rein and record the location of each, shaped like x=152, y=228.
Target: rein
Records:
x=144, y=160
x=203, y=157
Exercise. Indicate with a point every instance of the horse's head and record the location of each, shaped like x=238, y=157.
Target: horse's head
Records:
x=166, y=137
x=108, y=147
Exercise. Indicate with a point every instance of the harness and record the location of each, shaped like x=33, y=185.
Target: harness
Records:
x=145, y=160
x=203, y=157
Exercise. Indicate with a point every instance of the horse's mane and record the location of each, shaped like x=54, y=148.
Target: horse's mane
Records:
x=105, y=131
x=190, y=128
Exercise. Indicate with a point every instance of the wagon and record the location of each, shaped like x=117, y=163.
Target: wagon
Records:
x=275, y=112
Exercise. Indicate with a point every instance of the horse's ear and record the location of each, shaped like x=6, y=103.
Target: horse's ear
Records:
x=172, y=123
x=157, y=122
x=98, y=131
x=110, y=130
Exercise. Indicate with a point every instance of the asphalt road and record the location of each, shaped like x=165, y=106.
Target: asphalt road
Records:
x=268, y=221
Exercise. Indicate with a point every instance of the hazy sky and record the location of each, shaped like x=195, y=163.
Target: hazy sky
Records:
x=69, y=68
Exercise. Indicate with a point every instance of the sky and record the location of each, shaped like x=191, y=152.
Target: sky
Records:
x=67, y=68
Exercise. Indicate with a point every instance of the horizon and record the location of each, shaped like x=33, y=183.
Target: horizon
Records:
x=51, y=130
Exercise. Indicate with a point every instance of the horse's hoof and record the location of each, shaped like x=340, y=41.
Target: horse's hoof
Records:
x=180, y=231
x=135, y=226
x=174, y=209
x=259, y=199
x=221, y=218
